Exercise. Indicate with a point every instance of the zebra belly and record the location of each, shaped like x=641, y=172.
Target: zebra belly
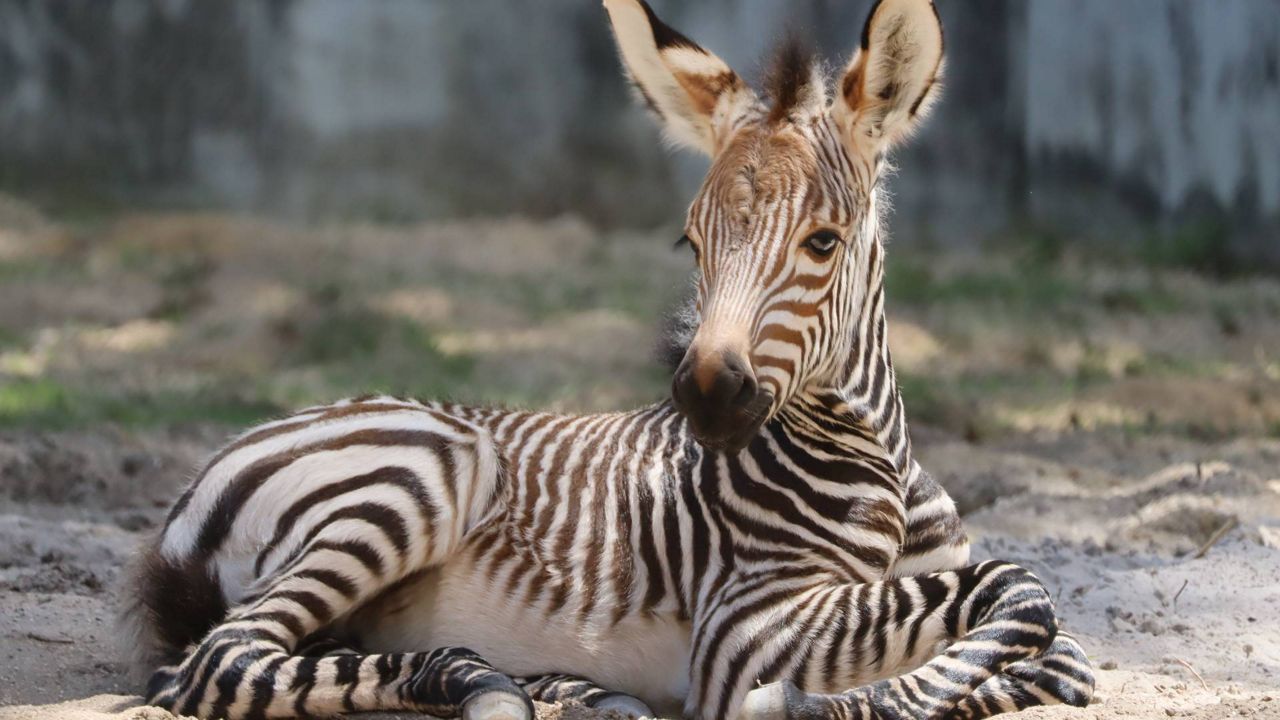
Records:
x=457, y=605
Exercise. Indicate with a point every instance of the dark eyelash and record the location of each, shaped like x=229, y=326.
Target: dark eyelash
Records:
x=684, y=240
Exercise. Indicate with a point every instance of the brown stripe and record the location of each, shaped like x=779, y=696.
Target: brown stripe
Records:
x=237, y=493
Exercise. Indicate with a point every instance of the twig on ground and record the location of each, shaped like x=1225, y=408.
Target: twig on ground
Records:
x=1179, y=593
x=1227, y=527
x=1187, y=665
x=41, y=637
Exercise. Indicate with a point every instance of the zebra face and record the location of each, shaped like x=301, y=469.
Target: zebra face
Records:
x=777, y=238
x=784, y=228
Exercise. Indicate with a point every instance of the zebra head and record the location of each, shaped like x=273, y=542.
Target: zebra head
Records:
x=784, y=228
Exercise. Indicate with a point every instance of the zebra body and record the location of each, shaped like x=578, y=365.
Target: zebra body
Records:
x=761, y=546
x=588, y=545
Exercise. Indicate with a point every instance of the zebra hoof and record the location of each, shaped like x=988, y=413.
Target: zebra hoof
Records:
x=767, y=702
x=625, y=704
x=497, y=705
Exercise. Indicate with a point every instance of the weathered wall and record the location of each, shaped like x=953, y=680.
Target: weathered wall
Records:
x=1103, y=118
x=1167, y=110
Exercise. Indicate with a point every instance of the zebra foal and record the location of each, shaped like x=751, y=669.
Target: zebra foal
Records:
x=760, y=546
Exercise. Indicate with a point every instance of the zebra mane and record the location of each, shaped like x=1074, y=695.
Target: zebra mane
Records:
x=794, y=80
x=676, y=330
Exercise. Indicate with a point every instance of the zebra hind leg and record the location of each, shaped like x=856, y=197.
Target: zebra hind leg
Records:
x=561, y=688
x=447, y=682
x=253, y=665
x=1001, y=617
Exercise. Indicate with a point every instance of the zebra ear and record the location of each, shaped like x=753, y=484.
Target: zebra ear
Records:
x=894, y=76
x=695, y=95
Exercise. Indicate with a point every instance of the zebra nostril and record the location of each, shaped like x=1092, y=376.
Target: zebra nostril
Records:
x=684, y=389
x=747, y=393
x=738, y=384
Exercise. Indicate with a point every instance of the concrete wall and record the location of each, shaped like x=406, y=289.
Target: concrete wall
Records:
x=1167, y=110
x=1103, y=118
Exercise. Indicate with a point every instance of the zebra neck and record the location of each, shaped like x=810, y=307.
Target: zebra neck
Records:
x=866, y=398
x=876, y=437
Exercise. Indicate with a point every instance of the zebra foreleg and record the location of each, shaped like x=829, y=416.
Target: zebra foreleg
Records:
x=993, y=614
x=1060, y=675
x=561, y=688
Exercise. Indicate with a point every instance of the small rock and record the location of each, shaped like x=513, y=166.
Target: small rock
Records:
x=1151, y=626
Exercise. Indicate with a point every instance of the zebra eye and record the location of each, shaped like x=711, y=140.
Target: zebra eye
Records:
x=822, y=243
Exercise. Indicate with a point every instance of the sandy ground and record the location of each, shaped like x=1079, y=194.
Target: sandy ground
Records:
x=1116, y=430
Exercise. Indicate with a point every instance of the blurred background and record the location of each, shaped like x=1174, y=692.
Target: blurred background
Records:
x=212, y=211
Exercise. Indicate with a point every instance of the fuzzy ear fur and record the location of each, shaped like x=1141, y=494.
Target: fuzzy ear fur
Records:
x=697, y=97
x=893, y=77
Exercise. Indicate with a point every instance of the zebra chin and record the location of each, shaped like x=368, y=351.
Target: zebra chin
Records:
x=729, y=432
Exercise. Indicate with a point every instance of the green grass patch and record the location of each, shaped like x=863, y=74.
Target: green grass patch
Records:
x=911, y=280
x=1029, y=288
x=47, y=404
x=357, y=350
x=966, y=404
x=10, y=338
x=39, y=268
x=1273, y=429
x=541, y=298
x=1155, y=298
x=1203, y=246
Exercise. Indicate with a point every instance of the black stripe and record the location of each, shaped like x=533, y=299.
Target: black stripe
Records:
x=280, y=617
x=395, y=476
x=347, y=676
x=380, y=516
x=303, y=680
x=364, y=553
x=212, y=656
x=664, y=36
x=309, y=601
x=232, y=676
x=264, y=686
x=735, y=616
x=831, y=662
x=344, y=585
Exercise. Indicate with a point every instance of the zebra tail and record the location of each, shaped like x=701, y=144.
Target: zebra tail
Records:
x=163, y=606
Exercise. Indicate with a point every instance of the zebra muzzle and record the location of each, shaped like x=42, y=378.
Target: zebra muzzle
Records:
x=718, y=394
